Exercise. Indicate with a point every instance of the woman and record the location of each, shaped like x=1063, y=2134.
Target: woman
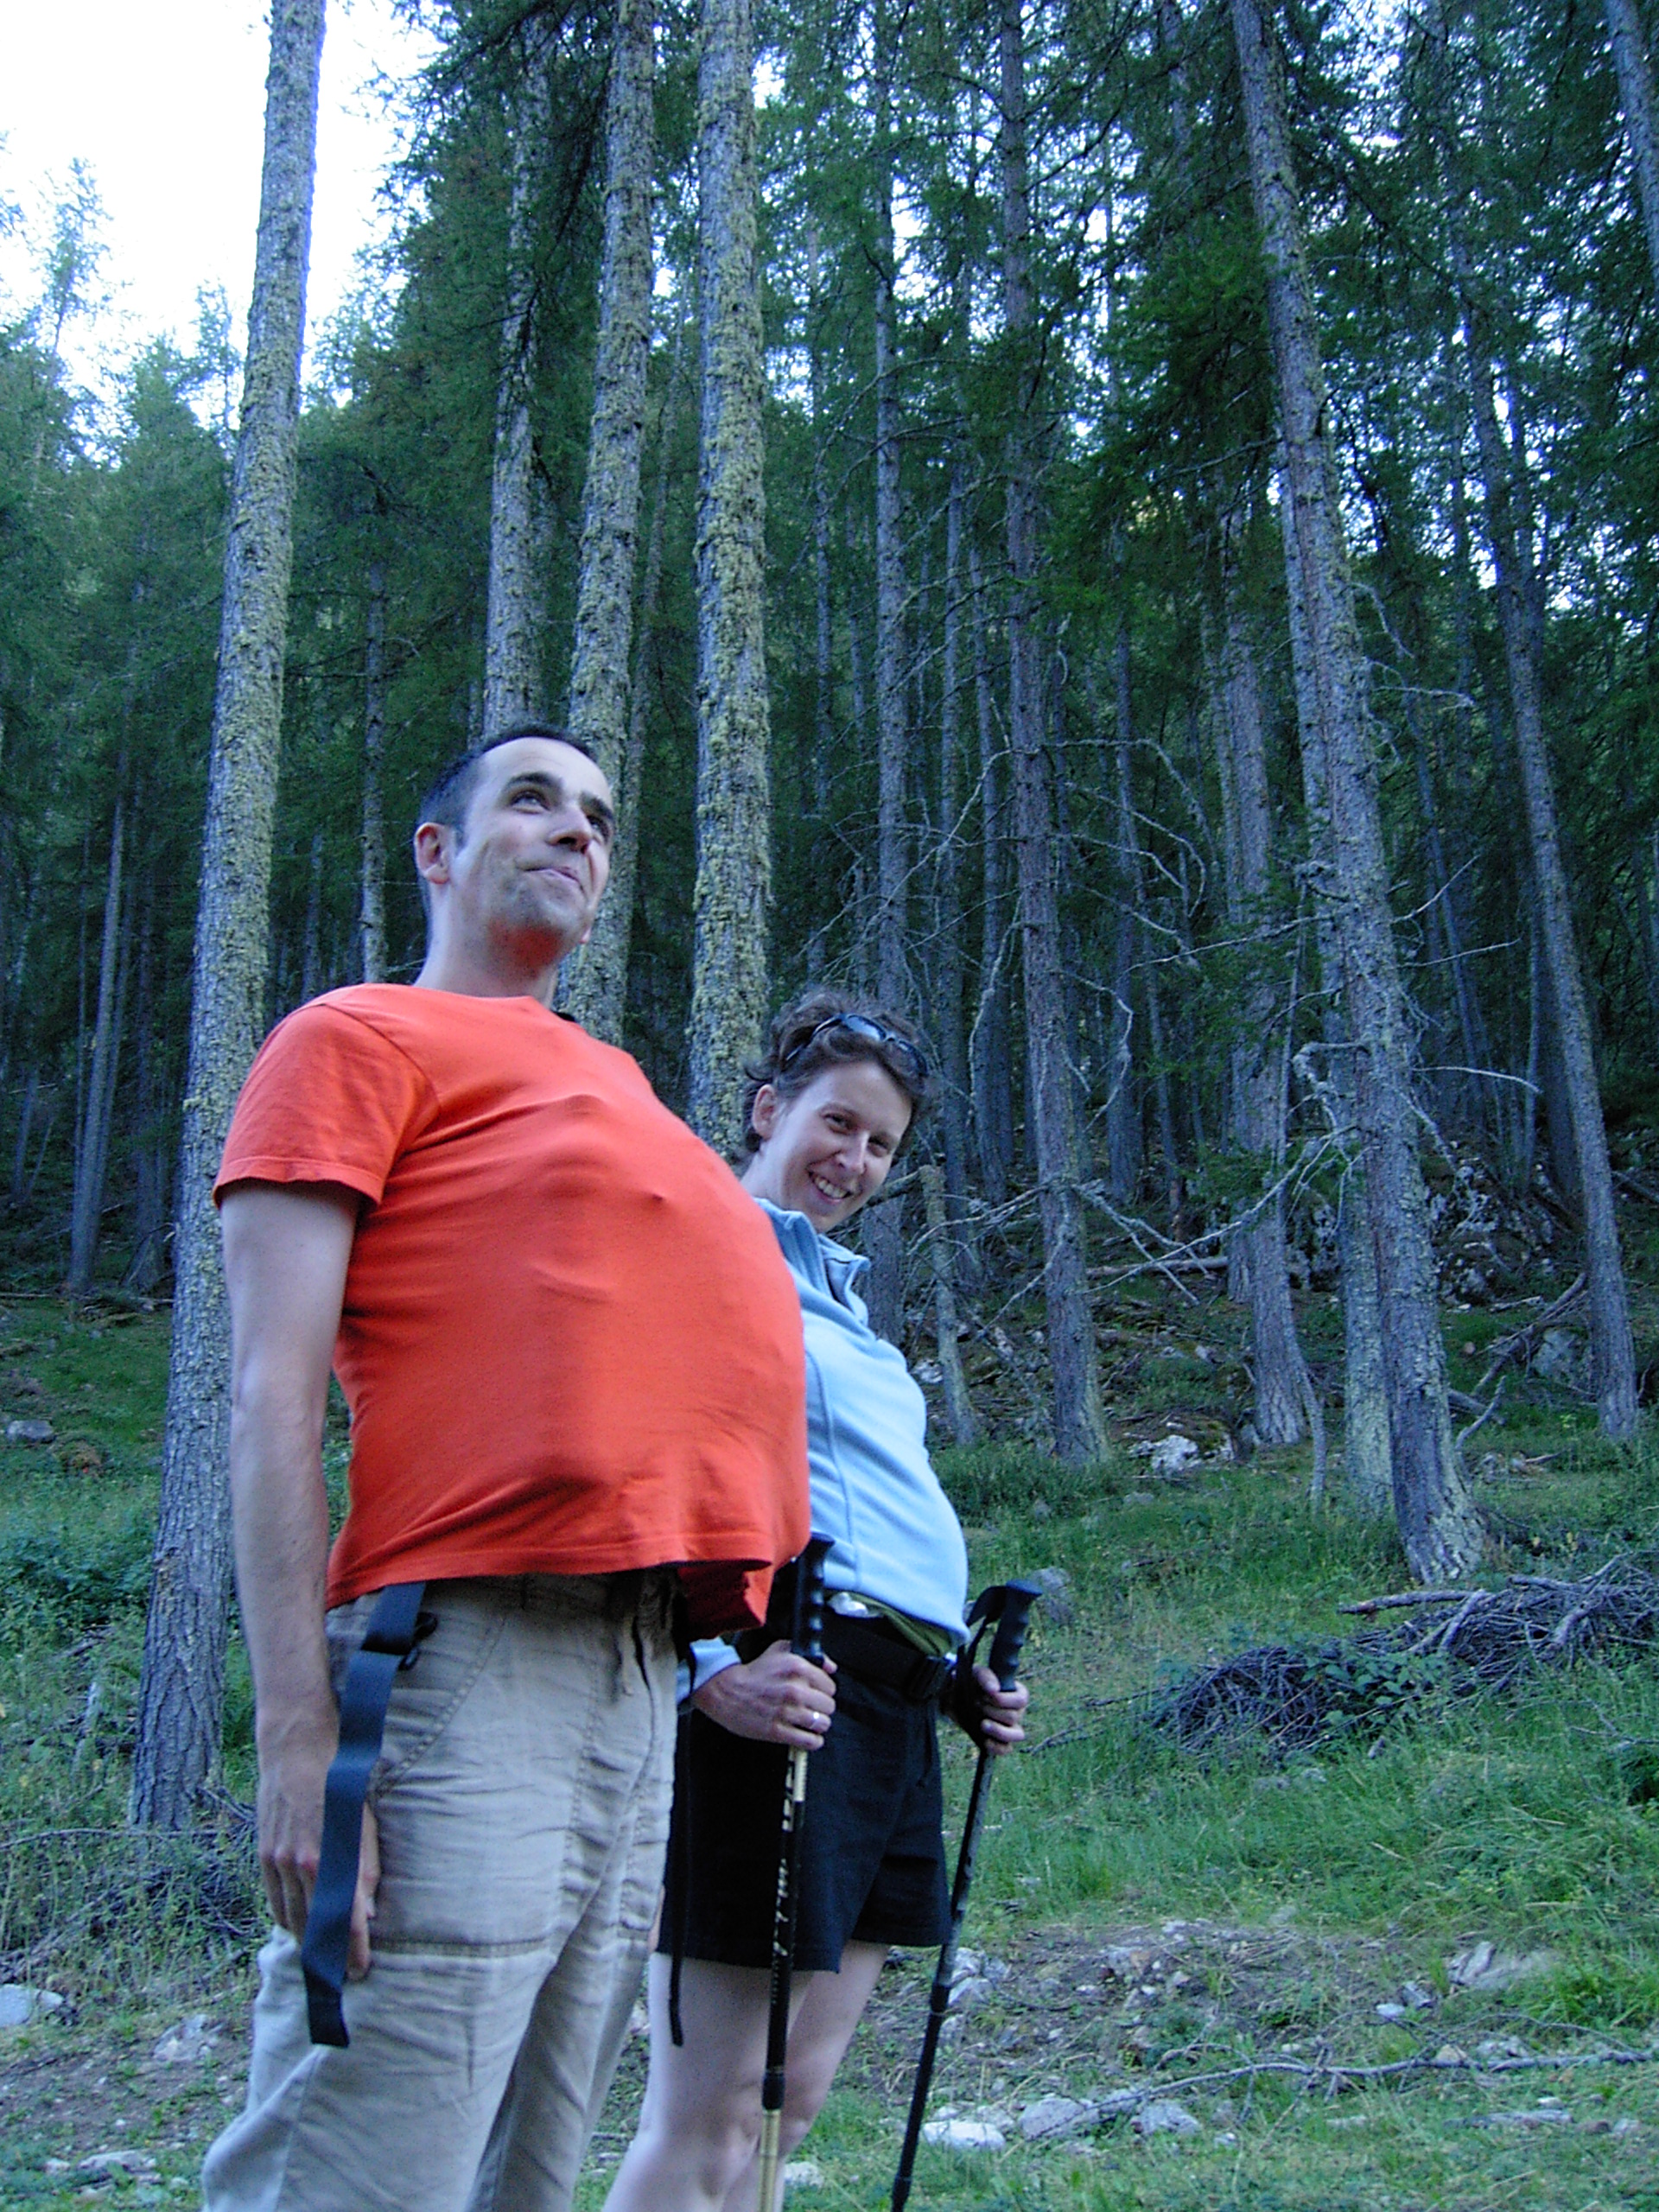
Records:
x=830, y=1110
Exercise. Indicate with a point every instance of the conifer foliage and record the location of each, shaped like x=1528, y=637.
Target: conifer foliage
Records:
x=1128, y=530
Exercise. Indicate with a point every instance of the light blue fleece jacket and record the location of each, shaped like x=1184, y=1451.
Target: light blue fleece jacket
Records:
x=896, y=1534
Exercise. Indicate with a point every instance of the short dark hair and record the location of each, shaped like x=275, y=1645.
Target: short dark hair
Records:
x=794, y=1054
x=451, y=795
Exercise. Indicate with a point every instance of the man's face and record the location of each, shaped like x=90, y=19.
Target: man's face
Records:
x=536, y=855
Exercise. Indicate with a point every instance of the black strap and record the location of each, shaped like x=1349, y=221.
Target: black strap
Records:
x=680, y=1833
x=396, y=1628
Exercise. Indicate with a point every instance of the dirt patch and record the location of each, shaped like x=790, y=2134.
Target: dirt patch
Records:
x=1072, y=2011
x=73, y=2089
x=1080, y=2012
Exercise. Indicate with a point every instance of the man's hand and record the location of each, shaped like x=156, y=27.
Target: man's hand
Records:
x=990, y=1713
x=779, y=1698
x=293, y=1768
x=368, y=1881
x=291, y=1783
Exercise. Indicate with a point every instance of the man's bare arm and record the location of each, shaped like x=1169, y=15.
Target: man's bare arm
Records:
x=286, y=1251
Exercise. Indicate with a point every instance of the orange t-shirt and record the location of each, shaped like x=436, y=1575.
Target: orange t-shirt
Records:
x=570, y=1342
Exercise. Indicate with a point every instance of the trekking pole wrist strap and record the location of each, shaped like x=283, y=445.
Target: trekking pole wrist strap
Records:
x=396, y=1630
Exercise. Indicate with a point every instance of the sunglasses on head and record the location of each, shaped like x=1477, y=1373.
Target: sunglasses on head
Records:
x=905, y=1056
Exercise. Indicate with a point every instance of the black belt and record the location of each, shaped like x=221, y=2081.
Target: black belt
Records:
x=875, y=1651
x=396, y=1629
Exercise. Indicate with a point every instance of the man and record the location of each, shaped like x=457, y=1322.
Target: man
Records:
x=572, y=1360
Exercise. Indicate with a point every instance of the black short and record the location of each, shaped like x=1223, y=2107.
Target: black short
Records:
x=871, y=1849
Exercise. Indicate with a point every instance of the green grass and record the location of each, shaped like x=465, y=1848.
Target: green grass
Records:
x=96, y=1911
x=1530, y=1821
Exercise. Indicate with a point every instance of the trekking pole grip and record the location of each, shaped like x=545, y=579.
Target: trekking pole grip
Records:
x=807, y=1642
x=1012, y=1630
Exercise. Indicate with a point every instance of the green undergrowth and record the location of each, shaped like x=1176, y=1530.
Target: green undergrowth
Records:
x=1442, y=2149
x=85, y=1905
x=1529, y=1820
x=1515, y=1808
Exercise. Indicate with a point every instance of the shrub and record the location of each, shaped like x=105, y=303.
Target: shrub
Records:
x=84, y=1578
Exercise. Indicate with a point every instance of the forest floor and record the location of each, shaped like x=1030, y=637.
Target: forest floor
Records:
x=1464, y=1888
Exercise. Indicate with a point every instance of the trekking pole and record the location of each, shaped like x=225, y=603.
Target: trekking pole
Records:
x=807, y=1640
x=1009, y=1605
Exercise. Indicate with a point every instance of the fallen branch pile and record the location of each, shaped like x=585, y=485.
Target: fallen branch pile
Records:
x=1455, y=1640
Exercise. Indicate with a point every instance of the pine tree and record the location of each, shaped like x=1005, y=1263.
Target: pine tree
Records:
x=604, y=624
x=734, y=881
x=181, y=1689
x=1439, y=1525
x=1079, y=1431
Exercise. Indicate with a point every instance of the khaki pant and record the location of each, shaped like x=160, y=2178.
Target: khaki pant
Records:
x=523, y=1801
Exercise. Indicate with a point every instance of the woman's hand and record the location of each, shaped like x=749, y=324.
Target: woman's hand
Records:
x=779, y=1698
x=988, y=1713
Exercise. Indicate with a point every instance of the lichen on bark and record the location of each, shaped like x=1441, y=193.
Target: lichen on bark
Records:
x=733, y=892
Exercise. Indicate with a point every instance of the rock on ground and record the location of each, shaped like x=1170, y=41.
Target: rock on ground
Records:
x=1052, y=2118
x=964, y=2135
x=19, y=2004
x=1163, y=2116
x=192, y=2039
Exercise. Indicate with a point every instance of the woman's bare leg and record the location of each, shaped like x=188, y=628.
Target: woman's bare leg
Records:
x=820, y=2028
x=700, y=2125
x=701, y=2115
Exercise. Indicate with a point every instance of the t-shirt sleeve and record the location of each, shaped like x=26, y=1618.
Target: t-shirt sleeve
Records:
x=327, y=1100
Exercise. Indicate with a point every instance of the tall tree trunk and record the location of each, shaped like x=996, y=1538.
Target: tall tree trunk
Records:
x=516, y=611
x=730, y=991
x=988, y=1040
x=1163, y=1107
x=823, y=734
x=1079, y=1429
x=311, y=968
x=1123, y=1129
x=87, y=1208
x=883, y=1235
x=857, y=665
x=613, y=935
x=1612, y=1351
x=1368, y=1450
x=181, y=1691
x=1636, y=98
x=82, y=1042
x=372, y=913
x=891, y=730
x=1466, y=997
x=25, y=1124
x=150, y=1140
x=947, y=1002
x=941, y=1244
x=1439, y=1524
x=1282, y=1383
x=610, y=515
x=1140, y=941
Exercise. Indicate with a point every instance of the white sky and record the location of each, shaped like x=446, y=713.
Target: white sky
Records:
x=165, y=103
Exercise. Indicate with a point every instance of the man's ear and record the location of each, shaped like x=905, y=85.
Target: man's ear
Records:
x=432, y=851
x=763, y=1115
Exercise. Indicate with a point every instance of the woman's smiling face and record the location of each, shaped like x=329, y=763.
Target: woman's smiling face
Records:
x=827, y=1149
